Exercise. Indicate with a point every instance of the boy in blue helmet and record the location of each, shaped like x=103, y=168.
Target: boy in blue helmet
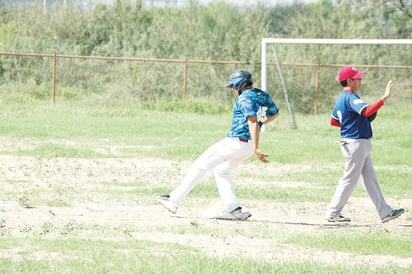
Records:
x=240, y=143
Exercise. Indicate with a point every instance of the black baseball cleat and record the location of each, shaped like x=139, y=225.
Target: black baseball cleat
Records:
x=393, y=215
x=234, y=215
x=338, y=219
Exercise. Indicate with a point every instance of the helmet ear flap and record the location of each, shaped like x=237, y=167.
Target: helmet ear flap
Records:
x=241, y=84
x=244, y=83
x=239, y=79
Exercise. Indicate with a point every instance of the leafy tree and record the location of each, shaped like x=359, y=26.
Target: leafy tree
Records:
x=216, y=31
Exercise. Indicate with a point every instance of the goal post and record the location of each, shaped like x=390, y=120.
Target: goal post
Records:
x=266, y=41
x=278, y=41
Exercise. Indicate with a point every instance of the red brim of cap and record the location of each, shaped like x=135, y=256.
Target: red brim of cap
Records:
x=358, y=75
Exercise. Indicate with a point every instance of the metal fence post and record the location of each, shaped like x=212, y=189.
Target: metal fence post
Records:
x=316, y=107
x=185, y=80
x=54, y=76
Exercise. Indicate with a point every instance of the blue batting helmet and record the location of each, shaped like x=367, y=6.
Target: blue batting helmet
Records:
x=239, y=79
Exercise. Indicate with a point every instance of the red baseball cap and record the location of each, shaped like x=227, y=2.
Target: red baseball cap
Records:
x=346, y=73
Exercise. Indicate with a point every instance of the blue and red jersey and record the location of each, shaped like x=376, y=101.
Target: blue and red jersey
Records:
x=248, y=104
x=348, y=111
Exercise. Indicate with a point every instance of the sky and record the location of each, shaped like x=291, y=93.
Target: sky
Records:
x=254, y=2
x=174, y=3
x=240, y=3
x=165, y=3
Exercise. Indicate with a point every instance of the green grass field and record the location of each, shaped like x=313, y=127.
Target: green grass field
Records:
x=77, y=179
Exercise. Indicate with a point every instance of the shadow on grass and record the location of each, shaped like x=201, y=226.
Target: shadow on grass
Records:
x=329, y=225
x=323, y=225
x=326, y=225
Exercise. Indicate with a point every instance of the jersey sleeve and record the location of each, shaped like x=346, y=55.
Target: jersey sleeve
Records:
x=373, y=108
x=272, y=108
x=357, y=104
x=334, y=122
x=246, y=105
x=335, y=115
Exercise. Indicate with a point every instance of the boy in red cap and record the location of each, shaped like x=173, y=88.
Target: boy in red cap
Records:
x=354, y=118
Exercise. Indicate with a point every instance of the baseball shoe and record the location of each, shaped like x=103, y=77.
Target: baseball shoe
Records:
x=338, y=219
x=166, y=202
x=393, y=215
x=234, y=215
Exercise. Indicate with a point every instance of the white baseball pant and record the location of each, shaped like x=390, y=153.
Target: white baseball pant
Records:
x=222, y=157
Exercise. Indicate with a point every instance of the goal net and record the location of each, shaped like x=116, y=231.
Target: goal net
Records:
x=304, y=71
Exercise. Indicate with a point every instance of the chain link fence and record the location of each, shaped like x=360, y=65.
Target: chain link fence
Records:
x=312, y=87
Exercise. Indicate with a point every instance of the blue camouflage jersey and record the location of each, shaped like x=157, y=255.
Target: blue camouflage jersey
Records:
x=248, y=104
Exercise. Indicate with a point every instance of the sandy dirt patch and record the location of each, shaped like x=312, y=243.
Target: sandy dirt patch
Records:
x=111, y=199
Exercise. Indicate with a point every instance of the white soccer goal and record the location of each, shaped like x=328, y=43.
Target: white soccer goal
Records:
x=279, y=41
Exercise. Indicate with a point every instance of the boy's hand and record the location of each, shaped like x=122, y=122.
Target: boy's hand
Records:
x=388, y=90
x=262, y=156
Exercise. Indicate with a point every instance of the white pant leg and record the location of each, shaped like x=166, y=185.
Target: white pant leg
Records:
x=371, y=185
x=227, y=149
x=224, y=181
x=355, y=154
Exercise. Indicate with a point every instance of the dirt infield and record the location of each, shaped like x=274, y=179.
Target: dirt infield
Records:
x=110, y=199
